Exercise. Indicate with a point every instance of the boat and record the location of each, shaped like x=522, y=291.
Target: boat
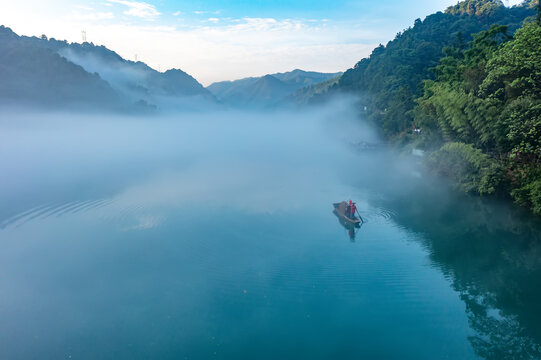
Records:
x=340, y=211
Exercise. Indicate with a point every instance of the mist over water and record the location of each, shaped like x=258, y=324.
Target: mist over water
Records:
x=229, y=158
x=211, y=235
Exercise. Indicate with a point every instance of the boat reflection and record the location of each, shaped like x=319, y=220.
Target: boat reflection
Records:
x=349, y=225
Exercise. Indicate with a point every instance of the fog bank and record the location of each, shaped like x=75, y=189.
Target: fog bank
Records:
x=256, y=161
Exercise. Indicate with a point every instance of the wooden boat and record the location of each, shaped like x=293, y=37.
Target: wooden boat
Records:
x=340, y=211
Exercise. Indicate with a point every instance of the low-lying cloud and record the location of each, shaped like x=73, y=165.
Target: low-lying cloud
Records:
x=250, y=161
x=138, y=9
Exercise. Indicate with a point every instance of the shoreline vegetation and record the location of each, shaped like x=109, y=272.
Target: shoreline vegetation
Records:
x=464, y=86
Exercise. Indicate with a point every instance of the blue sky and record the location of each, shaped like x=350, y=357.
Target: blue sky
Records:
x=336, y=10
x=220, y=40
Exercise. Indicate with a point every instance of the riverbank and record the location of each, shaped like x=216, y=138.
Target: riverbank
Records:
x=470, y=170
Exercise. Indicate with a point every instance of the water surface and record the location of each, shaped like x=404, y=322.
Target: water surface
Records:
x=204, y=236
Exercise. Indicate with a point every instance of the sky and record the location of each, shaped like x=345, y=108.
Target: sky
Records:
x=218, y=40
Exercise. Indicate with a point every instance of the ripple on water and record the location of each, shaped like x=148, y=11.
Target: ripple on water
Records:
x=48, y=210
x=19, y=216
x=378, y=215
x=131, y=216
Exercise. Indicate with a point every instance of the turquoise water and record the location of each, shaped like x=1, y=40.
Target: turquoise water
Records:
x=203, y=237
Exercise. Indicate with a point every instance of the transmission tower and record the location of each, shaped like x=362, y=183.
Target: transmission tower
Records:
x=83, y=35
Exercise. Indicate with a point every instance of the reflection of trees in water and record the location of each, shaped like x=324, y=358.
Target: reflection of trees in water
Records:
x=498, y=336
x=492, y=254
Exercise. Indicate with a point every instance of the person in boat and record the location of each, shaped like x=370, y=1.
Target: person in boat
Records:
x=348, y=208
x=352, y=208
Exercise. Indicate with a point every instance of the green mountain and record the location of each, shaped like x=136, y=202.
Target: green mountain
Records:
x=264, y=91
x=303, y=96
x=300, y=78
x=37, y=75
x=88, y=75
x=134, y=79
x=267, y=90
x=389, y=81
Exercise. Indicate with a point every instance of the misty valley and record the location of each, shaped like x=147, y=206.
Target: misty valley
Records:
x=144, y=215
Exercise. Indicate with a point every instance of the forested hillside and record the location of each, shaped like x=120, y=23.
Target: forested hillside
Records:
x=134, y=79
x=303, y=96
x=486, y=106
x=53, y=73
x=267, y=90
x=465, y=85
x=35, y=75
x=392, y=77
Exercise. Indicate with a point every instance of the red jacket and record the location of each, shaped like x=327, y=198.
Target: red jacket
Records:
x=353, y=208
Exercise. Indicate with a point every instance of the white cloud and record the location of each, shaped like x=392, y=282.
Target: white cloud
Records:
x=213, y=20
x=83, y=7
x=138, y=9
x=87, y=13
x=247, y=47
x=202, y=12
x=515, y=2
x=92, y=16
x=177, y=13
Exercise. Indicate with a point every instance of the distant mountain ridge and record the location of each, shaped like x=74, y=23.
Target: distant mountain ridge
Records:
x=38, y=75
x=87, y=75
x=305, y=95
x=133, y=78
x=267, y=90
x=58, y=74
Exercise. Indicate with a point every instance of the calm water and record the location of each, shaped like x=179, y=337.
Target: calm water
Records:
x=202, y=237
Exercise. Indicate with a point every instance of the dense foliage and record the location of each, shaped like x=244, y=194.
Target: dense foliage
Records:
x=469, y=83
x=476, y=7
x=468, y=167
x=392, y=77
x=488, y=95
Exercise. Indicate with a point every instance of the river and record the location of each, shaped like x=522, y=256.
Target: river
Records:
x=212, y=236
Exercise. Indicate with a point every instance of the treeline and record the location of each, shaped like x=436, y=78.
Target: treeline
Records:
x=466, y=86
x=485, y=104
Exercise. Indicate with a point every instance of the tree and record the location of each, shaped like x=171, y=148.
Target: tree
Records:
x=539, y=13
x=486, y=102
x=514, y=80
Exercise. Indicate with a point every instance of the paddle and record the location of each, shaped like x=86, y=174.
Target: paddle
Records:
x=360, y=217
